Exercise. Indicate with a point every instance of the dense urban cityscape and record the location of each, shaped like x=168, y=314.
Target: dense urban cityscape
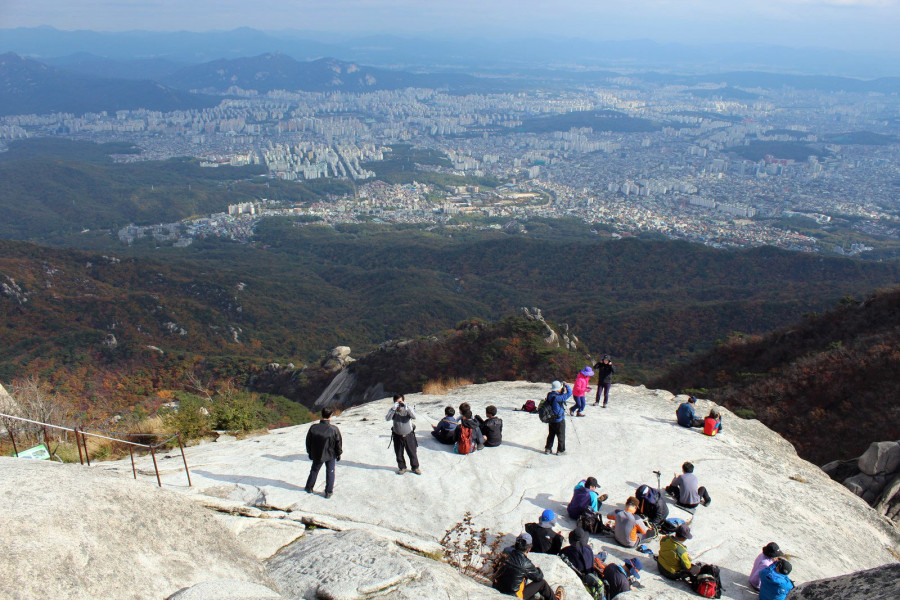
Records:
x=717, y=165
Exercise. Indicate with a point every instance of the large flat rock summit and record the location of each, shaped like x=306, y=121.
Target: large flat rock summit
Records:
x=761, y=492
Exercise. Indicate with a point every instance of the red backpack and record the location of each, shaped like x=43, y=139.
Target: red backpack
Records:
x=465, y=445
x=707, y=583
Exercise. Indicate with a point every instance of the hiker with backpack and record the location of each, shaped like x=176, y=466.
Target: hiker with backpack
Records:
x=685, y=414
x=403, y=434
x=324, y=446
x=686, y=489
x=652, y=507
x=673, y=561
x=585, y=498
x=545, y=540
x=491, y=427
x=770, y=553
x=517, y=576
x=774, y=583
x=618, y=579
x=445, y=430
x=555, y=404
x=579, y=556
x=712, y=424
x=468, y=435
x=605, y=371
x=579, y=390
x=628, y=530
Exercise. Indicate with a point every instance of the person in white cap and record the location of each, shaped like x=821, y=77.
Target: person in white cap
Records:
x=559, y=393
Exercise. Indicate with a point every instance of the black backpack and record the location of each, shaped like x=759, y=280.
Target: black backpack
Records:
x=545, y=411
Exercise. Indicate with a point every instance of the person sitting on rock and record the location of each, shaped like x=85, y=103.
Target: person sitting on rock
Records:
x=545, y=540
x=770, y=553
x=687, y=489
x=491, y=427
x=446, y=427
x=628, y=530
x=685, y=414
x=619, y=579
x=517, y=576
x=652, y=507
x=585, y=498
x=673, y=561
x=712, y=424
x=774, y=583
x=466, y=420
x=578, y=554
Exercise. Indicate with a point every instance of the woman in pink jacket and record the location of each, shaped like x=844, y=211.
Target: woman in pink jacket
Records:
x=580, y=390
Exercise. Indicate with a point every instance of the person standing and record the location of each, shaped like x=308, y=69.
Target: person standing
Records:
x=403, y=434
x=605, y=371
x=557, y=397
x=324, y=446
x=579, y=390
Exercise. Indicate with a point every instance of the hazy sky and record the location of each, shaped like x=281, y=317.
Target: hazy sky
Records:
x=846, y=24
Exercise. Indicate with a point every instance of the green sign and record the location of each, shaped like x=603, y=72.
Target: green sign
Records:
x=39, y=452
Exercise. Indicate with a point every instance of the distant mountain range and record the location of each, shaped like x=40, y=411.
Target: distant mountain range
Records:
x=28, y=86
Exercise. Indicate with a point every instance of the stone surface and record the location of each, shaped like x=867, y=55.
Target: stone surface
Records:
x=880, y=457
x=263, y=537
x=880, y=583
x=75, y=532
x=7, y=404
x=226, y=589
x=761, y=490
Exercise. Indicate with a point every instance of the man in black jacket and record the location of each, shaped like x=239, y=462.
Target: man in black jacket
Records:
x=491, y=428
x=605, y=371
x=324, y=446
x=516, y=568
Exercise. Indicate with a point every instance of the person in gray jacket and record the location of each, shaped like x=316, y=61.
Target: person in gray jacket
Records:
x=403, y=434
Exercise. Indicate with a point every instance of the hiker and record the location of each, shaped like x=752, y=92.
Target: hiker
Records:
x=491, y=427
x=629, y=531
x=468, y=436
x=444, y=430
x=516, y=575
x=578, y=554
x=685, y=414
x=652, y=506
x=585, y=498
x=774, y=583
x=557, y=397
x=579, y=389
x=712, y=424
x=545, y=540
x=403, y=434
x=673, y=561
x=605, y=371
x=618, y=579
x=770, y=553
x=687, y=490
x=324, y=447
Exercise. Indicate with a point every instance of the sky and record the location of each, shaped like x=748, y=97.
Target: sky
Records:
x=865, y=25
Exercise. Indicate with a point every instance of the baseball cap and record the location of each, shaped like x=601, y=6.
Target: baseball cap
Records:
x=771, y=550
x=555, y=385
x=548, y=516
x=684, y=531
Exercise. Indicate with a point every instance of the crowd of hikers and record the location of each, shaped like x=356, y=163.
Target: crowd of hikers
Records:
x=644, y=518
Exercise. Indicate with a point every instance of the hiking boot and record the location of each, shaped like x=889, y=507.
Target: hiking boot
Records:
x=602, y=497
x=580, y=415
x=561, y=452
x=560, y=593
x=547, y=451
x=307, y=490
x=417, y=471
x=328, y=494
x=604, y=405
x=401, y=470
x=595, y=403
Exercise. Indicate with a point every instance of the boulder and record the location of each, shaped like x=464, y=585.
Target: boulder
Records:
x=78, y=532
x=263, y=537
x=880, y=457
x=880, y=583
x=226, y=589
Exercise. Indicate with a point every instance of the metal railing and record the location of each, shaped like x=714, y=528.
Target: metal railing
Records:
x=81, y=441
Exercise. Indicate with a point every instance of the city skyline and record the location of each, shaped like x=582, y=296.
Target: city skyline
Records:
x=862, y=25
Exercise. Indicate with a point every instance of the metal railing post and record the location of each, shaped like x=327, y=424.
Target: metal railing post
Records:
x=78, y=445
x=87, y=456
x=178, y=437
x=13, y=438
x=155, y=467
x=131, y=454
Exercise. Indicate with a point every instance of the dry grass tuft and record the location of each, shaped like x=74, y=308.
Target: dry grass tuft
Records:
x=439, y=387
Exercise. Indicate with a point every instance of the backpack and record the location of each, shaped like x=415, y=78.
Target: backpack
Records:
x=545, y=411
x=465, y=444
x=707, y=583
x=595, y=586
x=529, y=406
x=593, y=523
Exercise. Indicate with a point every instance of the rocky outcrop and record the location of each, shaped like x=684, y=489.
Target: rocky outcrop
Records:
x=880, y=583
x=552, y=338
x=8, y=404
x=338, y=359
x=74, y=532
x=874, y=477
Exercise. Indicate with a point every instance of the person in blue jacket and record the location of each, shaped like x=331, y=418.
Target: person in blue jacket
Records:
x=445, y=429
x=774, y=583
x=685, y=414
x=557, y=397
x=585, y=498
